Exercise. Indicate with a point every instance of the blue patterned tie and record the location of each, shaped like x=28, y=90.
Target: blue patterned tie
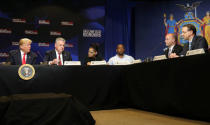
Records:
x=190, y=45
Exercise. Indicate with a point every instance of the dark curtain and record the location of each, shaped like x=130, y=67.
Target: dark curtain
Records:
x=117, y=26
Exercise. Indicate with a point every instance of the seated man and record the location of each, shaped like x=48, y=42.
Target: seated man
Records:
x=120, y=57
x=23, y=55
x=194, y=42
x=58, y=55
x=92, y=55
x=171, y=43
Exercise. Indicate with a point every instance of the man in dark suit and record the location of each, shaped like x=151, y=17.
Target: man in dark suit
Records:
x=22, y=55
x=194, y=42
x=57, y=56
x=172, y=46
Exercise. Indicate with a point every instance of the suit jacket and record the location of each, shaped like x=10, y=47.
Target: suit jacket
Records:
x=198, y=42
x=89, y=59
x=51, y=55
x=177, y=49
x=15, y=58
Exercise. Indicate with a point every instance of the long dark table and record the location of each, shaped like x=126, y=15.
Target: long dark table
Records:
x=177, y=87
x=96, y=87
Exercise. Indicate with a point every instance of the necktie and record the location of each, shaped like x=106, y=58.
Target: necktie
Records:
x=59, y=60
x=24, y=59
x=190, y=45
x=169, y=51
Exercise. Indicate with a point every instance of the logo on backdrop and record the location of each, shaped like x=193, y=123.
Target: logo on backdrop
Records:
x=17, y=20
x=91, y=33
x=46, y=22
x=31, y=32
x=5, y=31
x=55, y=33
x=4, y=55
x=26, y=72
x=190, y=17
x=44, y=44
x=67, y=23
x=69, y=45
x=15, y=43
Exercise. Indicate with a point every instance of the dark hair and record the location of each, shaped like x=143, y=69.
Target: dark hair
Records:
x=95, y=46
x=121, y=44
x=191, y=28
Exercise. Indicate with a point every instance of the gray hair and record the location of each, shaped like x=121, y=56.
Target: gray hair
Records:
x=60, y=39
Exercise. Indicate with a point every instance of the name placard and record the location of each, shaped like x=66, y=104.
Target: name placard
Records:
x=137, y=61
x=161, y=57
x=195, y=52
x=122, y=63
x=72, y=63
x=94, y=63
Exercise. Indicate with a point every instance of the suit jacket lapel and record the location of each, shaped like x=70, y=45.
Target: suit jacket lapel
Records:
x=54, y=55
x=19, y=59
x=64, y=56
x=166, y=52
x=193, y=42
x=28, y=59
x=173, y=50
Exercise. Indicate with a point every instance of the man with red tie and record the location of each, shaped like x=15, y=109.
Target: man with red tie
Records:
x=23, y=55
x=58, y=56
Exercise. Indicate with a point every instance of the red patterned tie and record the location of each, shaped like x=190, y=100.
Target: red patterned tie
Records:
x=59, y=59
x=24, y=59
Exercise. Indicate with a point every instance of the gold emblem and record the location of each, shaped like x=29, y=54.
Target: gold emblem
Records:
x=26, y=72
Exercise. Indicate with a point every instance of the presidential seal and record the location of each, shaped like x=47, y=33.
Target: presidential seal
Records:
x=26, y=72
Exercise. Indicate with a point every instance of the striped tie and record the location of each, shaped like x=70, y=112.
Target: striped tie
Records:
x=190, y=45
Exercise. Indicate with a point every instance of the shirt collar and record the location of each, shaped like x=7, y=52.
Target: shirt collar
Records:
x=57, y=52
x=119, y=56
x=171, y=47
x=191, y=39
x=21, y=52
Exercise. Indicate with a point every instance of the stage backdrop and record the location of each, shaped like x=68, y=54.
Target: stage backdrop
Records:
x=150, y=27
x=79, y=22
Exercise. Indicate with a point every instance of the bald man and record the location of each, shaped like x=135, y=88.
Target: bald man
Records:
x=23, y=55
x=172, y=46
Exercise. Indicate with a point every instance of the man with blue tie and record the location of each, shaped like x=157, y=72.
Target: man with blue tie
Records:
x=194, y=42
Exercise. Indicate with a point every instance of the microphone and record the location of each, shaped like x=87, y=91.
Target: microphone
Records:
x=149, y=59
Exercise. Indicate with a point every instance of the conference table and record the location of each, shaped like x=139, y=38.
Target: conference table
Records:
x=178, y=86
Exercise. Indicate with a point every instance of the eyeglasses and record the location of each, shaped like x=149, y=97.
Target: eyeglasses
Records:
x=90, y=52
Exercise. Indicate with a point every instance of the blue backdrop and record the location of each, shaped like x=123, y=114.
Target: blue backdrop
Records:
x=79, y=22
x=149, y=24
x=138, y=25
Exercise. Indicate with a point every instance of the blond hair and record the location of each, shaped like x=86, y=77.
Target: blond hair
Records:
x=24, y=41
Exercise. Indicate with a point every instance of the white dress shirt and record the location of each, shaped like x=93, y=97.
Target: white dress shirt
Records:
x=116, y=59
x=170, y=50
x=22, y=54
x=57, y=56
